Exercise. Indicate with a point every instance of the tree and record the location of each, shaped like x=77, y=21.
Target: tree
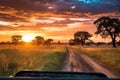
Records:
x=107, y=26
x=81, y=36
x=16, y=38
x=48, y=42
x=59, y=42
x=39, y=40
x=71, y=42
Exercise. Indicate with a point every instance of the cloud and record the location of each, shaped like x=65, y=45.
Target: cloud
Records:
x=7, y=17
x=93, y=6
x=63, y=8
x=18, y=4
x=55, y=15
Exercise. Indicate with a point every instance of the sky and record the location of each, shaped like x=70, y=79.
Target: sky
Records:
x=56, y=19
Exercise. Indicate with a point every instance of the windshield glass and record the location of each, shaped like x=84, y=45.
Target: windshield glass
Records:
x=60, y=35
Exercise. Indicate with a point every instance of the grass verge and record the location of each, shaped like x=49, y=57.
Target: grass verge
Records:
x=110, y=57
x=13, y=59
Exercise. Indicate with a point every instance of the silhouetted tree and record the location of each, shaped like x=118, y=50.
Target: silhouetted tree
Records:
x=81, y=36
x=48, y=42
x=39, y=40
x=16, y=38
x=118, y=43
x=107, y=26
x=59, y=42
x=89, y=42
x=71, y=42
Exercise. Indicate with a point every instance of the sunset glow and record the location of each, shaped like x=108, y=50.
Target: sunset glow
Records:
x=27, y=38
x=53, y=18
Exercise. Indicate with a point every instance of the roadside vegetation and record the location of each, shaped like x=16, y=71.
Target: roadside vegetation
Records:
x=110, y=57
x=16, y=58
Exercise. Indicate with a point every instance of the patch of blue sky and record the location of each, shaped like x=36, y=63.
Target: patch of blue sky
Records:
x=96, y=1
x=89, y=1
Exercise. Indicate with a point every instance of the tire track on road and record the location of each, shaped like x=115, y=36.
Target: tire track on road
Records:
x=78, y=62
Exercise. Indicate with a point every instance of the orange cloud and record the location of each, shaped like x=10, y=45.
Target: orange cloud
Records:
x=53, y=24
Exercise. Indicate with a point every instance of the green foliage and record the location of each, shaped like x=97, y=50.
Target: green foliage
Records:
x=54, y=62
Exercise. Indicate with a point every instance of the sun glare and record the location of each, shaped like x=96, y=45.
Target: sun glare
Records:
x=27, y=38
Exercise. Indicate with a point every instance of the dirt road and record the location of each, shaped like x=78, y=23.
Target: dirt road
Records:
x=79, y=62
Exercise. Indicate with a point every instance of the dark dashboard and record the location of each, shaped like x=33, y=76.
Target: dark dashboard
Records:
x=57, y=75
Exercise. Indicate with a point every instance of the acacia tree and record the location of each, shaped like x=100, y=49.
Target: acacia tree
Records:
x=81, y=36
x=39, y=40
x=48, y=42
x=107, y=26
x=16, y=38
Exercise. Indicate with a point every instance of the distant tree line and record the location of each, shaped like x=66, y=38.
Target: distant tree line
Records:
x=38, y=40
x=105, y=27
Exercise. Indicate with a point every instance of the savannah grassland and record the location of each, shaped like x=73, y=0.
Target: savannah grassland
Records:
x=27, y=57
x=108, y=56
x=15, y=58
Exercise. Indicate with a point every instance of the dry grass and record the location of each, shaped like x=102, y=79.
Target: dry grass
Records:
x=108, y=56
x=15, y=58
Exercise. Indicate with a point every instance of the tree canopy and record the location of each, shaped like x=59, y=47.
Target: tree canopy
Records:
x=48, y=42
x=16, y=38
x=107, y=26
x=39, y=40
x=81, y=36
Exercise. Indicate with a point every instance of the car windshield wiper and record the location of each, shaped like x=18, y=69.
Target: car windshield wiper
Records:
x=55, y=74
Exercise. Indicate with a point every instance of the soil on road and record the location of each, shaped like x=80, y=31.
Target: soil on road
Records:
x=79, y=62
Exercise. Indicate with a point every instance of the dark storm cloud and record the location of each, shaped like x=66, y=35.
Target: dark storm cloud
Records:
x=22, y=4
x=18, y=4
x=64, y=5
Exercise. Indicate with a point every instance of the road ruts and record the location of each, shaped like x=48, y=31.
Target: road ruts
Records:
x=78, y=62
